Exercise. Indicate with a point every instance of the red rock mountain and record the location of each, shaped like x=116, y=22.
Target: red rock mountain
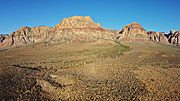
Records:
x=78, y=28
x=69, y=29
x=133, y=31
x=77, y=22
x=136, y=32
x=27, y=35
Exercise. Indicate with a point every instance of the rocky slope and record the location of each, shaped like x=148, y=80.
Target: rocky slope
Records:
x=77, y=22
x=27, y=35
x=132, y=31
x=174, y=37
x=74, y=28
x=78, y=28
x=3, y=37
x=158, y=37
x=135, y=32
x=166, y=38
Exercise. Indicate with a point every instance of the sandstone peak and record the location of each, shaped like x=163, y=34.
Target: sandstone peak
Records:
x=23, y=27
x=77, y=22
x=172, y=31
x=133, y=31
x=134, y=25
x=98, y=24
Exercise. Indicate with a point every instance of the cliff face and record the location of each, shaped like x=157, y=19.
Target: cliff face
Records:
x=158, y=37
x=133, y=31
x=166, y=38
x=174, y=37
x=3, y=37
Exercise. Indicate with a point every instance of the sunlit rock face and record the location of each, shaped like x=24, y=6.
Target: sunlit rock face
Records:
x=133, y=31
x=69, y=29
x=79, y=28
x=3, y=37
x=77, y=22
x=159, y=37
x=27, y=35
x=174, y=37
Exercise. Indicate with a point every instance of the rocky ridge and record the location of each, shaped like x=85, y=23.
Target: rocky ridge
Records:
x=3, y=37
x=159, y=37
x=27, y=35
x=74, y=28
x=132, y=31
x=174, y=37
x=135, y=32
x=166, y=38
x=78, y=28
x=77, y=22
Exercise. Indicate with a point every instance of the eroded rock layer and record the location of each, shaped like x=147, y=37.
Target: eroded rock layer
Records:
x=78, y=28
x=69, y=29
x=132, y=31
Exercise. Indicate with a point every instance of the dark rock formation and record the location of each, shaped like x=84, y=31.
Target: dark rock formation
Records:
x=158, y=37
x=3, y=37
x=174, y=37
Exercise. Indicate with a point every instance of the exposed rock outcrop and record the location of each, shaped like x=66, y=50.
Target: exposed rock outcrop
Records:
x=80, y=28
x=77, y=22
x=3, y=37
x=69, y=29
x=132, y=31
x=166, y=38
x=159, y=37
x=27, y=35
x=174, y=37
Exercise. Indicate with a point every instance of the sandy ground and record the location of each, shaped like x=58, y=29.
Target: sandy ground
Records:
x=100, y=70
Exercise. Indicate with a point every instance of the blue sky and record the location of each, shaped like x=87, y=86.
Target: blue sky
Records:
x=157, y=15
